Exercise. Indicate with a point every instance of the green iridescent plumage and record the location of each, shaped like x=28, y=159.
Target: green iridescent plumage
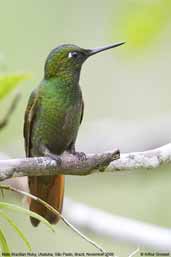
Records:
x=52, y=120
x=59, y=116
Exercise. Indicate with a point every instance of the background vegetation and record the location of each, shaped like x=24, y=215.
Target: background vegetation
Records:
x=127, y=100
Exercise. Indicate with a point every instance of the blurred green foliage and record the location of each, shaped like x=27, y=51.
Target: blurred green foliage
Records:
x=141, y=23
x=15, y=208
x=3, y=243
x=10, y=82
x=16, y=228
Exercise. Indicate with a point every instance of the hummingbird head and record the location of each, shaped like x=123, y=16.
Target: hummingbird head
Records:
x=66, y=60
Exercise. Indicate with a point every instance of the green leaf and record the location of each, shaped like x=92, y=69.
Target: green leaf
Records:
x=16, y=208
x=3, y=243
x=141, y=24
x=16, y=228
x=10, y=82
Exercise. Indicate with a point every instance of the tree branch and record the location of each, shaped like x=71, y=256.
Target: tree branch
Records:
x=142, y=160
x=118, y=228
x=69, y=165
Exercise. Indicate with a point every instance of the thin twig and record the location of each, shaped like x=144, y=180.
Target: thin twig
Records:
x=12, y=107
x=7, y=187
x=134, y=252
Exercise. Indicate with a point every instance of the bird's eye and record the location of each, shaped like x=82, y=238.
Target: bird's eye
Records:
x=72, y=54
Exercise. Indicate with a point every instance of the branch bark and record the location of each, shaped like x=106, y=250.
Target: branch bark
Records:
x=68, y=165
x=150, y=159
x=71, y=165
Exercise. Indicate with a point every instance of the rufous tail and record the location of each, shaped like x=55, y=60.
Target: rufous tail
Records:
x=51, y=190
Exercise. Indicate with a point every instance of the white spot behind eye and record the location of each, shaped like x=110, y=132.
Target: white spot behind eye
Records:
x=70, y=55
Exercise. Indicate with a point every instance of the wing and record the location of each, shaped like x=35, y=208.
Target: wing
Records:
x=28, y=120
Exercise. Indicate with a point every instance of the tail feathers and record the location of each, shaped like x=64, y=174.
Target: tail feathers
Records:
x=51, y=190
x=55, y=198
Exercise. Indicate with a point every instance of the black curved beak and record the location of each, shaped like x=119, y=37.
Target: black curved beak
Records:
x=101, y=49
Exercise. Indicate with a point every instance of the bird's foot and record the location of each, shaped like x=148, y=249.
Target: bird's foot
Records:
x=46, y=152
x=80, y=155
x=55, y=157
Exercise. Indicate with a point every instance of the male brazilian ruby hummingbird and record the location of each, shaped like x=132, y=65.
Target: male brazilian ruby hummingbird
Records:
x=52, y=119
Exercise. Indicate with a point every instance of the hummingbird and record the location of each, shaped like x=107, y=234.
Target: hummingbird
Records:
x=52, y=118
